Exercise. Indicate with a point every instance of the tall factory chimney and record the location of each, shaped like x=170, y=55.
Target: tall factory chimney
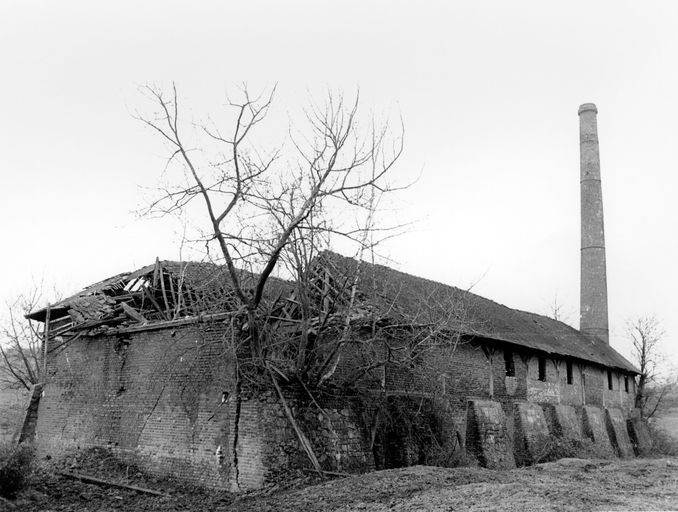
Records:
x=593, y=299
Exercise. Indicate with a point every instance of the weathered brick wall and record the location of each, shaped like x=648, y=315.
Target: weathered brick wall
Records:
x=615, y=420
x=594, y=386
x=486, y=435
x=532, y=434
x=618, y=397
x=593, y=422
x=564, y=421
x=154, y=394
x=639, y=435
x=166, y=399
x=589, y=385
x=332, y=425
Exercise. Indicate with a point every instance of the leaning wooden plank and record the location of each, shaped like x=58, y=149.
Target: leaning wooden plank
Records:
x=305, y=443
x=133, y=313
x=168, y=312
x=331, y=473
x=149, y=295
x=173, y=294
x=156, y=272
x=98, y=481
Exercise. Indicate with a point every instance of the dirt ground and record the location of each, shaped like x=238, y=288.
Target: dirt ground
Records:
x=568, y=484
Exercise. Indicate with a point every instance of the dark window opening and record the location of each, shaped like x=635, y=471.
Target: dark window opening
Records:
x=609, y=379
x=508, y=364
x=626, y=383
x=542, y=369
x=569, y=371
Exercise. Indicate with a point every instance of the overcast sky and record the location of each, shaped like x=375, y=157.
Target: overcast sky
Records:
x=488, y=92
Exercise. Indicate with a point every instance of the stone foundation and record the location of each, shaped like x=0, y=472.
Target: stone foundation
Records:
x=594, y=428
x=616, y=429
x=564, y=422
x=639, y=436
x=532, y=436
x=486, y=435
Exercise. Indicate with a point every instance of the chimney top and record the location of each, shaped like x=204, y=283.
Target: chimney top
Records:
x=588, y=106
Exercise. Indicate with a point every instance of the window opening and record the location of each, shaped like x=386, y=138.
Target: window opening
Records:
x=508, y=364
x=609, y=379
x=569, y=372
x=542, y=369
x=626, y=383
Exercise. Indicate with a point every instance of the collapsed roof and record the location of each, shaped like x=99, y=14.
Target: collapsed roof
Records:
x=170, y=290
x=165, y=290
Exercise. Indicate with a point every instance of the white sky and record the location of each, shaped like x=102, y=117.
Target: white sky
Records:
x=488, y=92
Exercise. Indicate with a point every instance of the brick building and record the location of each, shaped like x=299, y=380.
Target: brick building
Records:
x=160, y=390
x=412, y=371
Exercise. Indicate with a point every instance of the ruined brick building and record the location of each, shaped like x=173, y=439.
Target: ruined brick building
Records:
x=140, y=363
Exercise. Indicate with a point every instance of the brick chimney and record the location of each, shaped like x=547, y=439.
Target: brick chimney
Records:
x=593, y=299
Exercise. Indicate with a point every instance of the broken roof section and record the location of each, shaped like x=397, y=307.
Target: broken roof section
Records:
x=165, y=290
x=168, y=290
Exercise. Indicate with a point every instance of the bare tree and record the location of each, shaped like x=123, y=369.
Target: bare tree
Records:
x=273, y=211
x=646, y=334
x=21, y=353
x=558, y=310
x=266, y=210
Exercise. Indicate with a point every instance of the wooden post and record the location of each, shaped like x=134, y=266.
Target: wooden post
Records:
x=45, y=339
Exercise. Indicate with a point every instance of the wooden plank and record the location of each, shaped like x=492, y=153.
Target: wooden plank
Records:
x=155, y=272
x=149, y=294
x=175, y=300
x=133, y=313
x=305, y=443
x=92, y=480
x=164, y=295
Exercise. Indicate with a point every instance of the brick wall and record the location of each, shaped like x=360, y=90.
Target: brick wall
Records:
x=167, y=399
x=154, y=394
x=532, y=433
x=486, y=435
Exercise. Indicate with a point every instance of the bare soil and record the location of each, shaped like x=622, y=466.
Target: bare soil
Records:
x=568, y=484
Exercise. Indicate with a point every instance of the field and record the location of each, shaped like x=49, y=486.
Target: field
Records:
x=569, y=484
x=668, y=415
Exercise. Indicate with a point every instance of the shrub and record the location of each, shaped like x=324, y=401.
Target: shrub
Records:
x=16, y=465
x=663, y=443
x=559, y=448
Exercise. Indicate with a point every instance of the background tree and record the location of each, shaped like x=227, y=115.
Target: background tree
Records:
x=646, y=335
x=559, y=310
x=21, y=346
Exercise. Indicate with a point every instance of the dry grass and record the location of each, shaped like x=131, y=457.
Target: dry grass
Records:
x=568, y=484
x=12, y=402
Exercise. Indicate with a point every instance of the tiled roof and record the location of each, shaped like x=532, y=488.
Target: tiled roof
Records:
x=395, y=295
x=418, y=300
